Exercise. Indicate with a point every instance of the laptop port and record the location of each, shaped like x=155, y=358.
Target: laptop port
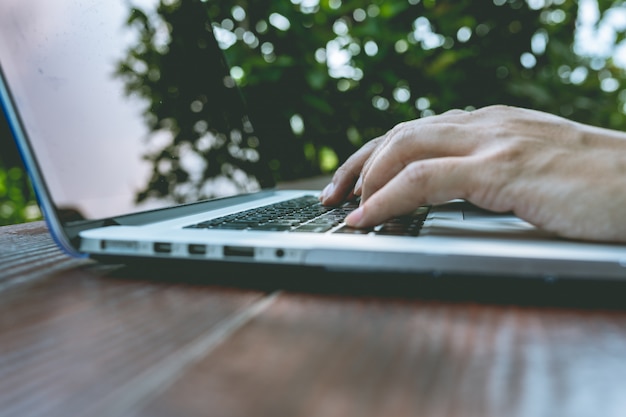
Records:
x=162, y=247
x=118, y=245
x=196, y=249
x=239, y=251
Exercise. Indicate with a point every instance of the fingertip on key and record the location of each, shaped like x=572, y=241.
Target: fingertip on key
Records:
x=354, y=218
x=327, y=192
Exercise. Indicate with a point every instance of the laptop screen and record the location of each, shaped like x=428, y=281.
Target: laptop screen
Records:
x=113, y=130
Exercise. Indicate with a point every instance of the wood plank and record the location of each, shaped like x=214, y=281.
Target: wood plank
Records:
x=73, y=334
x=336, y=356
x=27, y=251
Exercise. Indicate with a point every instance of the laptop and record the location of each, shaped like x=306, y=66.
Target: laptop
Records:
x=125, y=168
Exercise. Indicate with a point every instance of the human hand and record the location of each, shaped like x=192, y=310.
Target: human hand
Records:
x=562, y=176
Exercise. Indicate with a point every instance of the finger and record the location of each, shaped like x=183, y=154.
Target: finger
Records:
x=401, y=128
x=414, y=142
x=342, y=183
x=430, y=181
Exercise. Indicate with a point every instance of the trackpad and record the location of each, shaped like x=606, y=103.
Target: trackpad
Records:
x=477, y=214
x=462, y=210
x=460, y=218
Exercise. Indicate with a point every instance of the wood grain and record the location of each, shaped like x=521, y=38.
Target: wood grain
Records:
x=71, y=337
x=78, y=338
x=26, y=250
x=327, y=356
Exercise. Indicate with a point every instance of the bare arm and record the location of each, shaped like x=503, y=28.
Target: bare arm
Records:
x=562, y=176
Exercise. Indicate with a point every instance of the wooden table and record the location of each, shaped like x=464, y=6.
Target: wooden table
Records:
x=78, y=338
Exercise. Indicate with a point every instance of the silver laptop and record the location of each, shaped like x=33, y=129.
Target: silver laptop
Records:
x=115, y=182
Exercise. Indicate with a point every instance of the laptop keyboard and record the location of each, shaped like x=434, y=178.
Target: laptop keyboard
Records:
x=307, y=215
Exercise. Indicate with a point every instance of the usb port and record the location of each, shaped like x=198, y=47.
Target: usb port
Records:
x=196, y=249
x=162, y=247
x=240, y=251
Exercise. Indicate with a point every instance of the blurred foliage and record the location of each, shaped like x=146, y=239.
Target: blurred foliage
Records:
x=182, y=80
x=16, y=205
x=17, y=199
x=346, y=71
x=321, y=77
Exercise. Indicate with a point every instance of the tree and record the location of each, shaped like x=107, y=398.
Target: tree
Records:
x=321, y=77
x=17, y=200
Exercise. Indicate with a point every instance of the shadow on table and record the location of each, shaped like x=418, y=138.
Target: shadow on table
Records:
x=579, y=293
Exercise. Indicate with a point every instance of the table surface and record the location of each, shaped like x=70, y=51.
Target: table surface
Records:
x=79, y=338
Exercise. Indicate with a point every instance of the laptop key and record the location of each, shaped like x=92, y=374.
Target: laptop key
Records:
x=231, y=226
x=353, y=230
x=305, y=214
x=313, y=228
x=271, y=227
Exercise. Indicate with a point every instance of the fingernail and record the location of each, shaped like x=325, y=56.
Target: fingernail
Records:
x=357, y=186
x=328, y=190
x=355, y=217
